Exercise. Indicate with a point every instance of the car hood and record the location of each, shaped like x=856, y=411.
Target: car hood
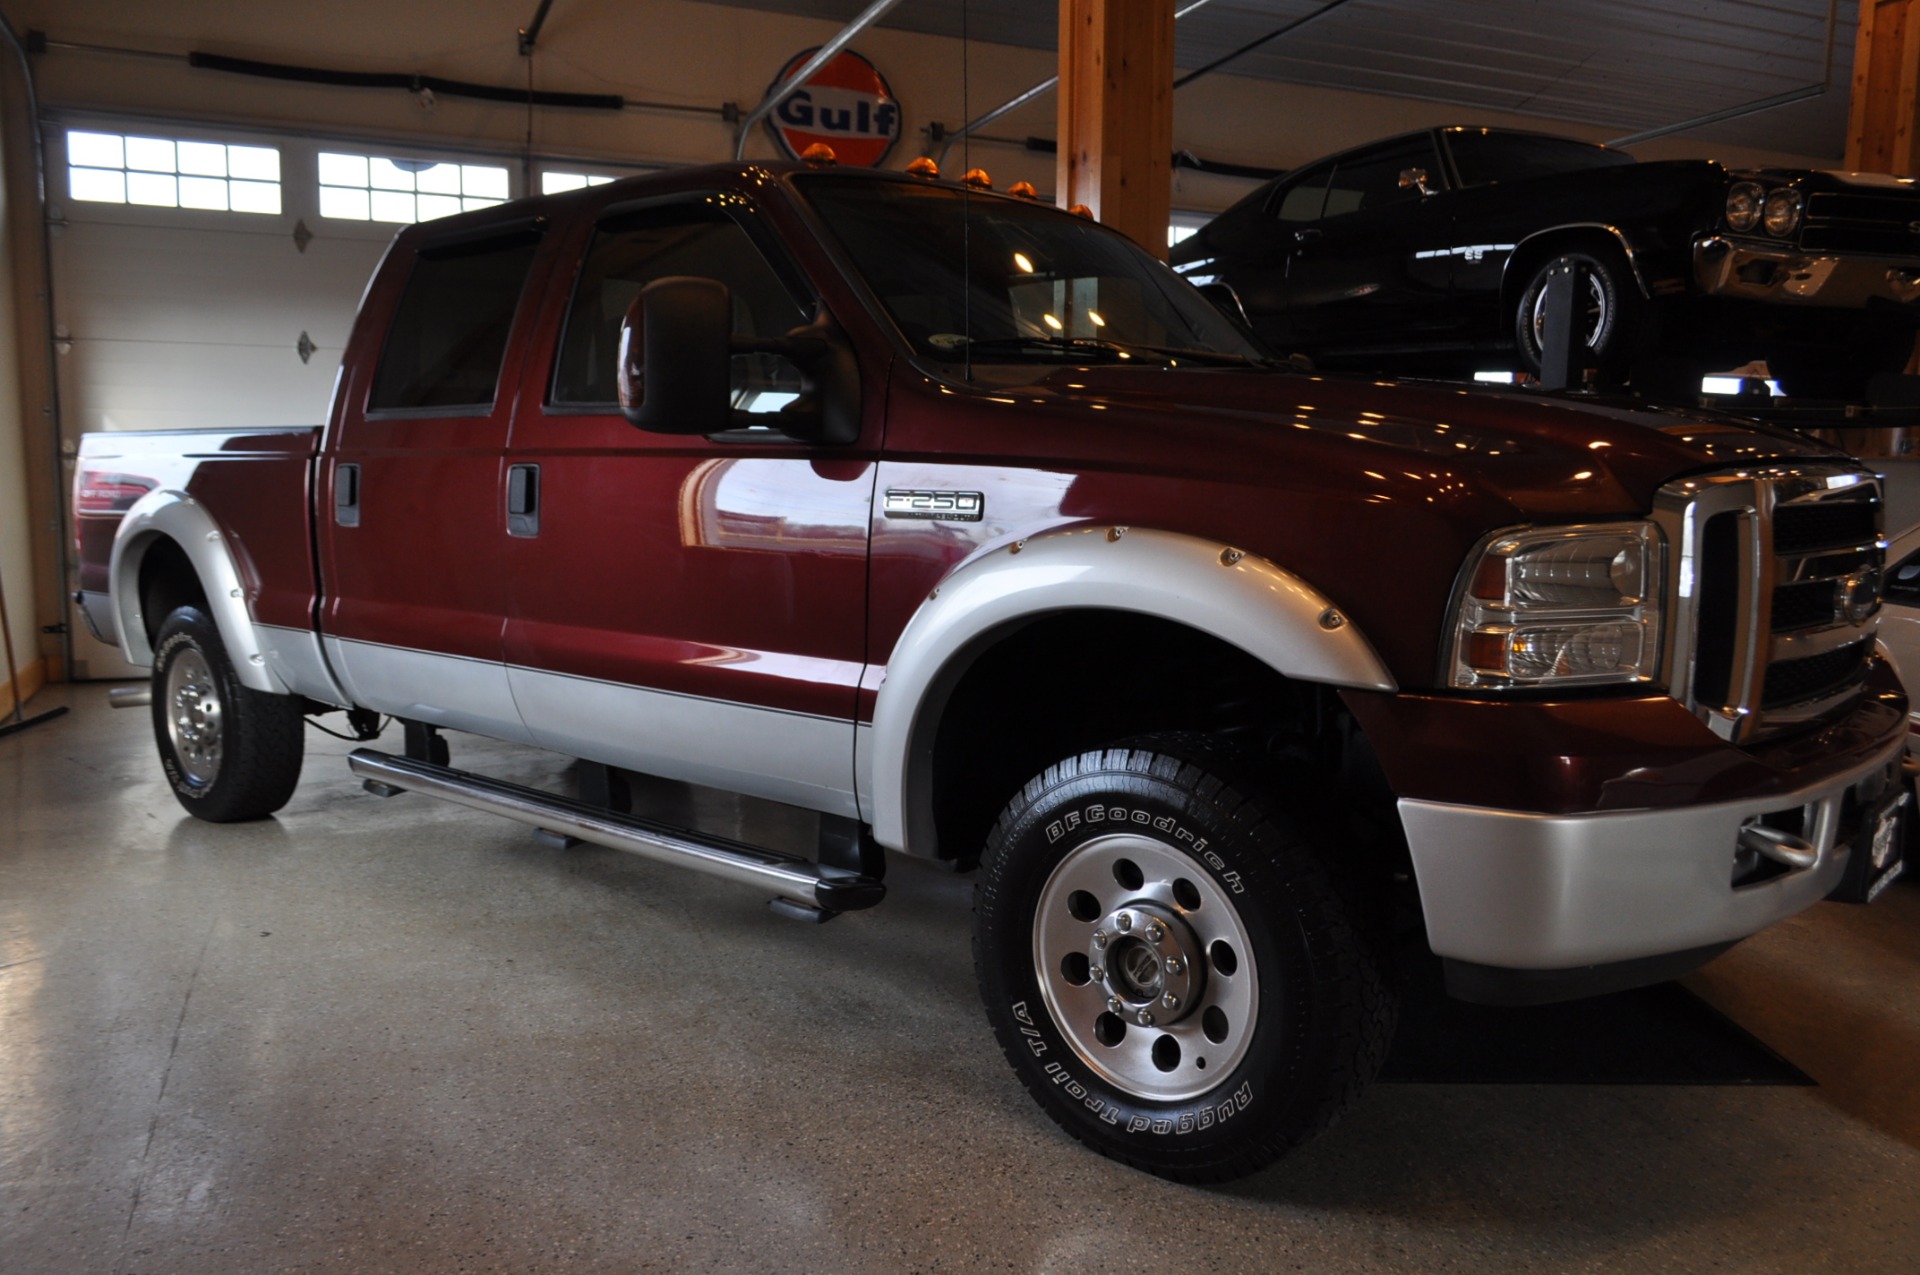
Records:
x=1543, y=455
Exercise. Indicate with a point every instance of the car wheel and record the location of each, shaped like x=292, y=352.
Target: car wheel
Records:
x=1606, y=314
x=229, y=752
x=1180, y=978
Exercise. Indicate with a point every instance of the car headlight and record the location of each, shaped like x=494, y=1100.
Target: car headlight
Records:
x=1743, y=205
x=1560, y=606
x=1782, y=214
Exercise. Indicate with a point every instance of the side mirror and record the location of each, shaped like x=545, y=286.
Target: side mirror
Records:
x=675, y=357
x=1414, y=177
x=674, y=367
x=1227, y=301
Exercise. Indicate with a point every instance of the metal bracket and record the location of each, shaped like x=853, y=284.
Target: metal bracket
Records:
x=1562, y=344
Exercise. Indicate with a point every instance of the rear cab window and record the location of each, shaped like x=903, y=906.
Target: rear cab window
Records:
x=448, y=336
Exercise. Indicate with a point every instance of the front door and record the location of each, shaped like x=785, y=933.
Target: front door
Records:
x=686, y=606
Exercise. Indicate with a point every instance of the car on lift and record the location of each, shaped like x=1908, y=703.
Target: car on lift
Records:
x=1430, y=252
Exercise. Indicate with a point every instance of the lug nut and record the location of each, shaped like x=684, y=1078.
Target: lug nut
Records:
x=1155, y=931
x=1170, y=1001
x=1115, y=1004
x=1144, y=1018
x=1097, y=974
x=1174, y=965
x=1101, y=938
x=1124, y=921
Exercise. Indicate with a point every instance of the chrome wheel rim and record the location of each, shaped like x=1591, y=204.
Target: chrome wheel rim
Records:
x=1596, y=309
x=194, y=716
x=1145, y=965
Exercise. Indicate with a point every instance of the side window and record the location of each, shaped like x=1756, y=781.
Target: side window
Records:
x=681, y=239
x=1373, y=181
x=449, y=333
x=1303, y=199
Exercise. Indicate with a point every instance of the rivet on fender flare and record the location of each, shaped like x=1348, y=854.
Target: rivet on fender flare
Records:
x=1230, y=556
x=1114, y=533
x=1331, y=619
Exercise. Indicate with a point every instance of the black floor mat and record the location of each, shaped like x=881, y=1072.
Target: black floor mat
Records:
x=1660, y=1035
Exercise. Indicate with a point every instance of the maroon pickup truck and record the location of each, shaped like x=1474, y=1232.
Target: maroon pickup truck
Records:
x=968, y=525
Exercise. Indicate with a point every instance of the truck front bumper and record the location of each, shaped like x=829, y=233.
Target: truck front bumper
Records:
x=1567, y=892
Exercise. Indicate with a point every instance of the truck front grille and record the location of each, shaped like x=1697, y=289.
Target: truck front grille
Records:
x=1861, y=222
x=1775, y=594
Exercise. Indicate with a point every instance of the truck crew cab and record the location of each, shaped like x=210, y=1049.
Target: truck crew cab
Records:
x=968, y=525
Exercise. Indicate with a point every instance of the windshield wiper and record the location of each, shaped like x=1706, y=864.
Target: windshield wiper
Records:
x=1078, y=345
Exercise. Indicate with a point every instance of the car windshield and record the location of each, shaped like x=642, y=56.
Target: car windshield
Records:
x=1005, y=280
x=1485, y=158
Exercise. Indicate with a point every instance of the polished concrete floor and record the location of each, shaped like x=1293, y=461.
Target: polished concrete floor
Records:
x=400, y=1036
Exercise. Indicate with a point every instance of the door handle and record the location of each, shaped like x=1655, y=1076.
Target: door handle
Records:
x=346, y=495
x=1306, y=236
x=523, y=500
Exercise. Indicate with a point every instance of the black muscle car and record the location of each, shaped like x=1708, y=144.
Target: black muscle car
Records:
x=1428, y=253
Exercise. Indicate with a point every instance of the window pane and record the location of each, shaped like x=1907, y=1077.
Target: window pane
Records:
x=472, y=204
x=441, y=179
x=343, y=170
x=554, y=183
x=153, y=154
x=348, y=204
x=203, y=192
x=95, y=150
x=683, y=240
x=98, y=185
x=432, y=206
x=393, y=205
x=256, y=163
x=255, y=197
x=384, y=174
x=488, y=183
x=448, y=335
x=203, y=159
x=152, y=188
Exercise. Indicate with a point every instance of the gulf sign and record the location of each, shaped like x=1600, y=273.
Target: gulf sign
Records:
x=847, y=104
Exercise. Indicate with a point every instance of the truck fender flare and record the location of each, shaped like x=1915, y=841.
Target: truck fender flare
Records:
x=1237, y=597
x=176, y=516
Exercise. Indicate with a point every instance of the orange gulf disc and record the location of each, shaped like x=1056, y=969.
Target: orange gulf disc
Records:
x=847, y=104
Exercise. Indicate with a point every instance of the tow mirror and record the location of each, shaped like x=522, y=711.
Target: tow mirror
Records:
x=1227, y=302
x=674, y=357
x=673, y=368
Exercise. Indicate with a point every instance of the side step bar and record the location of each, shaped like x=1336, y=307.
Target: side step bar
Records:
x=801, y=880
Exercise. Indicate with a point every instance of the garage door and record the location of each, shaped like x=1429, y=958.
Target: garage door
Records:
x=206, y=278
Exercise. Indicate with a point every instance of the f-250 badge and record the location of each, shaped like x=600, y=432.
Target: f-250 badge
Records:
x=948, y=506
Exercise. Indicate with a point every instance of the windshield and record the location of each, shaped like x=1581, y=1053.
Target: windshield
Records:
x=1484, y=158
x=1003, y=280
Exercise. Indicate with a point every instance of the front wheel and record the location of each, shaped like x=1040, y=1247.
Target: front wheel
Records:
x=1178, y=977
x=229, y=752
x=1605, y=312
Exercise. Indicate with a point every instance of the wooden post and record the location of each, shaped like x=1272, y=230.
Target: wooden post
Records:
x=1882, y=136
x=1116, y=114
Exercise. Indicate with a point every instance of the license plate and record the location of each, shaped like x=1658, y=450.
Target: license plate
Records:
x=1878, y=857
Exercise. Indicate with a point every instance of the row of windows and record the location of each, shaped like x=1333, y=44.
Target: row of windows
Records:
x=161, y=172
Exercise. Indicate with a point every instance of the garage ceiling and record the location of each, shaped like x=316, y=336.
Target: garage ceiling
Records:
x=1620, y=67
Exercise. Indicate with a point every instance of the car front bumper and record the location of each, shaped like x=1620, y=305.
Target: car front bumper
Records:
x=1540, y=892
x=1782, y=275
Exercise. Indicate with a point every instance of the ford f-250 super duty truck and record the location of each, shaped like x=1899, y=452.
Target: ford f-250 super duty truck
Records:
x=965, y=523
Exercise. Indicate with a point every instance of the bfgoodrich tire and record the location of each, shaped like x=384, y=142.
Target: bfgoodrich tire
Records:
x=229, y=752
x=1178, y=977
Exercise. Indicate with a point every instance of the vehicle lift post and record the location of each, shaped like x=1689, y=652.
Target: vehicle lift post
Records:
x=1562, y=344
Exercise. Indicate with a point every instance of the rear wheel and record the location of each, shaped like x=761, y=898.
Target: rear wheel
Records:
x=1177, y=975
x=229, y=752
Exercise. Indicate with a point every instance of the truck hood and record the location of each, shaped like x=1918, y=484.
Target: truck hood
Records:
x=1543, y=455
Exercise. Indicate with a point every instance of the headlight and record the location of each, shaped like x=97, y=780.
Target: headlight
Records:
x=1782, y=215
x=1562, y=606
x=1743, y=205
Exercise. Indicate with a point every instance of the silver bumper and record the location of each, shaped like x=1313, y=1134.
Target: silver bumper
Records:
x=1782, y=275
x=1555, y=892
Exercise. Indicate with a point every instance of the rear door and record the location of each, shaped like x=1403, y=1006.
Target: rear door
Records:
x=686, y=606
x=412, y=502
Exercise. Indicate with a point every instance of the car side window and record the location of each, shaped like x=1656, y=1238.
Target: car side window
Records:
x=448, y=336
x=698, y=239
x=1302, y=199
x=1373, y=180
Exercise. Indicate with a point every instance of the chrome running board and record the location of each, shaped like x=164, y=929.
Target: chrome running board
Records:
x=801, y=881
